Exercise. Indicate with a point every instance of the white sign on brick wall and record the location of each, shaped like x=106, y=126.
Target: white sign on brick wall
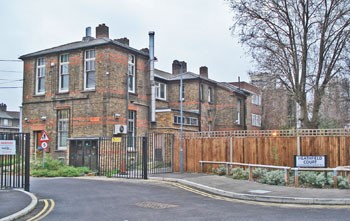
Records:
x=7, y=147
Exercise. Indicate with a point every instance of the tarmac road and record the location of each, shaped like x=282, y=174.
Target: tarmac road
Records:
x=119, y=199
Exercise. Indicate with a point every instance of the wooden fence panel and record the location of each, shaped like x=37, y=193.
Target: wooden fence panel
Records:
x=344, y=143
x=238, y=149
x=273, y=150
x=250, y=146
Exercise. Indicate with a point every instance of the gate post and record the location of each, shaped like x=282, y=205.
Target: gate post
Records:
x=144, y=157
x=27, y=162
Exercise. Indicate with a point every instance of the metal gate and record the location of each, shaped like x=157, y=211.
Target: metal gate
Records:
x=135, y=157
x=14, y=160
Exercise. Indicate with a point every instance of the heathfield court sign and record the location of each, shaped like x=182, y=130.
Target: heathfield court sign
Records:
x=7, y=147
x=310, y=161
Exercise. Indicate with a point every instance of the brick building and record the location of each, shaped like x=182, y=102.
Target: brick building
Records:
x=9, y=120
x=83, y=90
x=254, y=104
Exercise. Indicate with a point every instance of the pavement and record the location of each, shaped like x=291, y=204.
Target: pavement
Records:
x=15, y=203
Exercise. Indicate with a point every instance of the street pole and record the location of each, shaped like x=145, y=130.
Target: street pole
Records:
x=181, y=125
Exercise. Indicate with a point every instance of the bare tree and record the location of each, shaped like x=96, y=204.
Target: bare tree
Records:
x=305, y=43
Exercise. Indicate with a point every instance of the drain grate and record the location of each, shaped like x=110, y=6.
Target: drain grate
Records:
x=155, y=205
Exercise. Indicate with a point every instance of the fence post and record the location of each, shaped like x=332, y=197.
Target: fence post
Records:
x=27, y=162
x=250, y=173
x=144, y=157
x=296, y=177
x=286, y=176
x=335, y=178
x=201, y=166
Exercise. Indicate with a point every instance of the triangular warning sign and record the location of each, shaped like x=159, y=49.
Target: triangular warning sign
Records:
x=44, y=137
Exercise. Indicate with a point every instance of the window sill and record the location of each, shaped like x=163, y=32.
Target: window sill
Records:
x=88, y=90
x=61, y=150
x=39, y=95
x=62, y=92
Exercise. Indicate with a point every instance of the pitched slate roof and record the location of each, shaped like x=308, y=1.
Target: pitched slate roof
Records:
x=9, y=114
x=83, y=44
x=233, y=88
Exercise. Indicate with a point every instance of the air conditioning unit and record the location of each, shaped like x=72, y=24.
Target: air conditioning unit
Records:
x=120, y=129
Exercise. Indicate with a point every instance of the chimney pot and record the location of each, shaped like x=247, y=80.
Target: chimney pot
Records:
x=179, y=67
x=3, y=107
x=102, y=31
x=87, y=36
x=123, y=40
x=203, y=71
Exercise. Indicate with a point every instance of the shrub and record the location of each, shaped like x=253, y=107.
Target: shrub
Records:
x=55, y=168
x=239, y=173
x=275, y=177
x=259, y=174
x=307, y=178
x=219, y=171
x=343, y=183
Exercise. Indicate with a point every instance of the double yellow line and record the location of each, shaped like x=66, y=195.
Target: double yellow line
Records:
x=48, y=207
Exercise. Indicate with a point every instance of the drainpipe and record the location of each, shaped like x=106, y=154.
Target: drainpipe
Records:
x=151, y=64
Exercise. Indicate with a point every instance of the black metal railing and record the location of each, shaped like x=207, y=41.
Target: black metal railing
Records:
x=14, y=160
x=148, y=154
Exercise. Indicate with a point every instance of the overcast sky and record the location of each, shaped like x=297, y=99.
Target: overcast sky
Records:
x=195, y=31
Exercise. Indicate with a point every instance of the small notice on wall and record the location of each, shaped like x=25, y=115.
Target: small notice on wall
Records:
x=7, y=147
x=310, y=161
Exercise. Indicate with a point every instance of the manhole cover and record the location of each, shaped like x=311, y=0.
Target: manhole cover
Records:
x=259, y=191
x=155, y=205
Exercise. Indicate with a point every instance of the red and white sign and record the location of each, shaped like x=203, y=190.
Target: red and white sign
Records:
x=44, y=145
x=44, y=137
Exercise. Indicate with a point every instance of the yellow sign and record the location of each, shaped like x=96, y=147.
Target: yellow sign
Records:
x=116, y=139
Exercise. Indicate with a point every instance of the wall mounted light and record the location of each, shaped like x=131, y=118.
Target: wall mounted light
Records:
x=43, y=118
x=116, y=115
x=26, y=119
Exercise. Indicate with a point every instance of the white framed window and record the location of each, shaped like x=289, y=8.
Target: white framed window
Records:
x=256, y=99
x=5, y=122
x=182, y=92
x=64, y=73
x=40, y=76
x=62, y=129
x=210, y=94
x=192, y=121
x=238, y=117
x=90, y=72
x=160, y=91
x=131, y=73
x=256, y=120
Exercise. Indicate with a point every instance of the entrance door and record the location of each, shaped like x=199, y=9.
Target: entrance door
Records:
x=83, y=153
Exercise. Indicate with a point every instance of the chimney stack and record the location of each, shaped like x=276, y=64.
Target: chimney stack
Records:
x=123, y=41
x=179, y=67
x=3, y=107
x=102, y=31
x=87, y=36
x=203, y=71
